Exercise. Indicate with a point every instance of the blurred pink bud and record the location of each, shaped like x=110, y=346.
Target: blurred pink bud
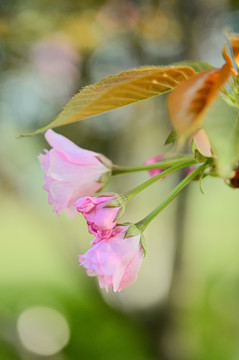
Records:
x=190, y=169
x=202, y=143
x=71, y=172
x=55, y=57
x=101, y=219
x=154, y=160
x=57, y=68
x=116, y=260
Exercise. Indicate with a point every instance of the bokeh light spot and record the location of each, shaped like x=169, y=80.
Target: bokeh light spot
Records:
x=43, y=330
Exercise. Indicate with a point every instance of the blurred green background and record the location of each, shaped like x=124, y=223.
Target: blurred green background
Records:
x=185, y=303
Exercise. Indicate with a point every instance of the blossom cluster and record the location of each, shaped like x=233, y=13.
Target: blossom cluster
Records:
x=72, y=176
x=197, y=105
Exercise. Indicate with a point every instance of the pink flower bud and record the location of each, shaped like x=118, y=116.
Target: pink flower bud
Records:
x=71, y=172
x=154, y=160
x=101, y=219
x=116, y=260
x=201, y=141
x=190, y=169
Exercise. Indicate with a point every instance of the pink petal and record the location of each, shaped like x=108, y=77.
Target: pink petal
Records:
x=115, y=260
x=71, y=151
x=131, y=272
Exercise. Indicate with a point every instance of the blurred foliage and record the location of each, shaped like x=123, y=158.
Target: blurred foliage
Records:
x=96, y=331
x=48, y=51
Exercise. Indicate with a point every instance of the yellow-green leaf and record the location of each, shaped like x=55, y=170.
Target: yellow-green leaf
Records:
x=198, y=66
x=119, y=90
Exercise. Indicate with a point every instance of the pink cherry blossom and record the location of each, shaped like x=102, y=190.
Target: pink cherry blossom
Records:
x=101, y=219
x=71, y=172
x=154, y=160
x=116, y=260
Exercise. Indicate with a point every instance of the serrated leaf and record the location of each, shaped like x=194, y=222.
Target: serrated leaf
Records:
x=198, y=66
x=188, y=102
x=119, y=90
x=233, y=39
x=221, y=124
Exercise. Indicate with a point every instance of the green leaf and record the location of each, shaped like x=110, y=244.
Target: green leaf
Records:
x=172, y=138
x=198, y=66
x=119, y=90
x=221, y=124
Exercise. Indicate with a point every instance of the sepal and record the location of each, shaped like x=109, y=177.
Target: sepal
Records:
x=132, y=231
x=103, y=159
x=143, y=243
x=118, y=201
x=105, y=178
x=197, y=155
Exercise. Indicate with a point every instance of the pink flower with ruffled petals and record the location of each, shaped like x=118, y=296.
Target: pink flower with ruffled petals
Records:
x=71, y=172
x=116, y=260
x=100, y=218
x=154, y=160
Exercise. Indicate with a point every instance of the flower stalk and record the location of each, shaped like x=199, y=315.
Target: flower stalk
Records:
x=180, y=165
x=142, y=224
x=118, y=170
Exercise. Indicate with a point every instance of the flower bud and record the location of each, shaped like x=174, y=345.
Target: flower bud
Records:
x=71, y=172
x=101, y=213
x=202, y=145
x=154, y=160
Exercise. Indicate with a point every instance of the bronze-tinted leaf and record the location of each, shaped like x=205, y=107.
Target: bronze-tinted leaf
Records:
x=233, y=39
x=188, y=102
x=116, y=91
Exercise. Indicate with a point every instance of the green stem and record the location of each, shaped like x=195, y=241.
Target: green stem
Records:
x=180, y=164
x=142, y=224
x=117, y=169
